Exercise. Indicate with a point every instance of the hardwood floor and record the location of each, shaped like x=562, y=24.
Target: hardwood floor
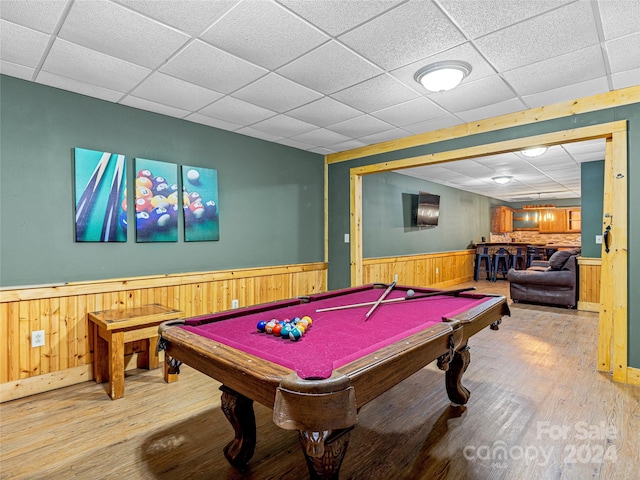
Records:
x=538, y=410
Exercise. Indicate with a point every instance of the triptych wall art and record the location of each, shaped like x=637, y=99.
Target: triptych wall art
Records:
x=101, y=200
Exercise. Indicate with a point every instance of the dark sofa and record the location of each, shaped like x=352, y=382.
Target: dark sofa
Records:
x=552, y=282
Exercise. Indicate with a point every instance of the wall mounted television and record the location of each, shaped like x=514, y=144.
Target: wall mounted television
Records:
x=428, y=209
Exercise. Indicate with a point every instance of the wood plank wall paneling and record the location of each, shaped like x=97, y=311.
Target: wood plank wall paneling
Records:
x=424, y=270
x=589, y=287
x=61, y=311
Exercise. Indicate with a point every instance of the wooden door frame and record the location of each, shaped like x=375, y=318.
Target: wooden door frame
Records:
x=613, y=317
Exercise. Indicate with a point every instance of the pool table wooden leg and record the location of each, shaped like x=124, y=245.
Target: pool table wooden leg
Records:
x=457, y=392
x=239, y=411
x=324, y=452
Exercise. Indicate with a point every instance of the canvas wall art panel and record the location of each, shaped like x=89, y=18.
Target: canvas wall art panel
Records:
x=100, y=186
x=156, y=201
x=200, y=204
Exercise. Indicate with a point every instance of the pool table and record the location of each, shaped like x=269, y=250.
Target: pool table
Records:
x=345, y=359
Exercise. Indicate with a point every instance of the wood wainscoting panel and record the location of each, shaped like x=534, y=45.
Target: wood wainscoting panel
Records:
x=589, y=287
x=440, y=270
x=61, y=311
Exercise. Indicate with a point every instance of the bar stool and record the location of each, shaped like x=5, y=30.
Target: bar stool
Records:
x=501, y=262
x=518, y=259
x=534, y=253
x=480, y=256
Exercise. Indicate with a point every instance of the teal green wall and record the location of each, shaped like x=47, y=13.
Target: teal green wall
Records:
x=271, y=196
x=592, y=180
x=387, y=227
x=338, y=207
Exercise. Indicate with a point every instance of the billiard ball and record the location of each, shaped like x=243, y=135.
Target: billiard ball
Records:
x=295, y=334
x=158, y=180
x=262, y=326
x=173, y=198
x=193, y=176
x=160, y=201
x=269, y=326
x=210, y=209
x=160, y=217
x=160, y=189
x=308, y=319
x=277, y=329
x=122, y=220
x=410, y=293
x=145, y=173
x=193, y=196
x=144, y=182
x=143, y=205
x=143, y=221
x=197, y=209
x=144, y=192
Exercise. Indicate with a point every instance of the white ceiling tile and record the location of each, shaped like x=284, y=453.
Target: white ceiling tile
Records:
x=143, y=104
x=85, y=65
x=212, y=122
x=329, y=68
x=322, y=150
x=18, y=71
x=192, y=16
x=338, y=16
x=41, y=15
x=209, y=67
x=385, y=136
x=433, y=124
x=320, y=137
x=410, y=112
x=619, y=17
x=567, y=69
x=567, y=93
x=121, y=33
x=469, y=96
x=540, y=38
x=481, y=17
x=493, y=110
x=237, y=111
x=290, y=142
x=375, y=94
x=348, y=145
x=252, y=132
x=624, y=53
x=626, y=79
x=161, y=88
x=276, y=93
x=360, y=126
x=283, y=126
x=414, y=30
x=82, y=88
x=466, y=52
x=21, y=45
x=323, y=112
x=263, y=33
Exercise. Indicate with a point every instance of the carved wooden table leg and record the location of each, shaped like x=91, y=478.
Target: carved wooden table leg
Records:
x=457, y=392
x=239, y=411
x=324, y=452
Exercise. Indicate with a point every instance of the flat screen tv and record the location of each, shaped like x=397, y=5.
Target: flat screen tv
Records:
x=428, y=209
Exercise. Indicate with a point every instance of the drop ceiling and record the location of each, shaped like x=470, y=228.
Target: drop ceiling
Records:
x=332, y=75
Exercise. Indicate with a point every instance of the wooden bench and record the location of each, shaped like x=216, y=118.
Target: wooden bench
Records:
x=113, y=328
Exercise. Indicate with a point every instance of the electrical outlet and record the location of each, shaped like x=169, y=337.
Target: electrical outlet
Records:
x=598, y=239
x=37, y=338
x=234, y=303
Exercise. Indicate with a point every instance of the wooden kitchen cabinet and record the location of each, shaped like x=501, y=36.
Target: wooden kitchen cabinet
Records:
x=501, y=220
x=553, y=221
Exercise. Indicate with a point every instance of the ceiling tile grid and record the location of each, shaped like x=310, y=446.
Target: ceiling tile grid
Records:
x=324, y=75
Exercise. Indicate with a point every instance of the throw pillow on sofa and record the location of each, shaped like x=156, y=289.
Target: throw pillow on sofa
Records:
x=558, y=259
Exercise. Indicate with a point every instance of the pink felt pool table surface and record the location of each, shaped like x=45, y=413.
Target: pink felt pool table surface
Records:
x=343, y=361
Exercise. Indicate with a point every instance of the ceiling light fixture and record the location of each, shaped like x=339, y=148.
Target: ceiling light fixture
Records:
x=533, y=151
x=501, y=180
x=442, y=76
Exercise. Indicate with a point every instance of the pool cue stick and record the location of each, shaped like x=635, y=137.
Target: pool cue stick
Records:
x=396, y=300
x=375, y=305
x=85, y=204
x=111, y=215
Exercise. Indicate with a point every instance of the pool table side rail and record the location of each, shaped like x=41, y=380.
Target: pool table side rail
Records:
x=240, y=371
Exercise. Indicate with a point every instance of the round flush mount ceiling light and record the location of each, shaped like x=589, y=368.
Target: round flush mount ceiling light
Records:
x=442, y=76
x=534, y=151
x=501, y=180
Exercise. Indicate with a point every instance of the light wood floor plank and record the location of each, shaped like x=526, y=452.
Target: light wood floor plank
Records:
x=534, y=388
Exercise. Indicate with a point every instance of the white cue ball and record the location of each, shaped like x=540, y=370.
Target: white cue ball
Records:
x=193, y=176
x=410, y=293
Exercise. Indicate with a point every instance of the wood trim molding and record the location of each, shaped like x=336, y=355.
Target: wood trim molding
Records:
x=601, y=101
